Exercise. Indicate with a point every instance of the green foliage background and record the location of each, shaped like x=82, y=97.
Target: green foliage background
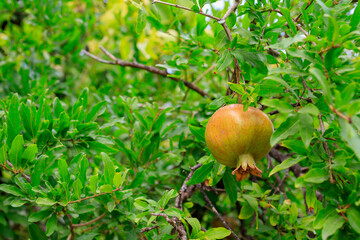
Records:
x=83, y=140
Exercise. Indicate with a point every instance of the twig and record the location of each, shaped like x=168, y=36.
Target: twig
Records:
x=185, y=190
x=176, y=223
x=187, y=9
x=147, y=229
x=11, y=169
x=348, y=119
x=218, y=215
x=89, y=222
x=95, y=195
x=72, y=234
x=204, y=73
x=307, y=6
x=91, y=228
x=151, y=69
x=231, y=9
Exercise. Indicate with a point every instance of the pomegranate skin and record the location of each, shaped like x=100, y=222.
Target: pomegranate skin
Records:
x=237, y=138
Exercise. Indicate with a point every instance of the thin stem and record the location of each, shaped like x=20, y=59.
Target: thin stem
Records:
x=94, y=196
x=348, y=119
x=204, y=73
x=187, y=9
x=155, y=70
x=89, y=222
x=213, y=209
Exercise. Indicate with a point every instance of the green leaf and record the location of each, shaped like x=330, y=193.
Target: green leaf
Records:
x=16, y=151
x=93, y=183
x=237, y=88
x=63, y=170
x=217, y=233
x=174, y=212
x=201, y=173
x=109, y=169
x=354, y=218
x=246, y=211
x=77, y=185
x=198, y=132
x=307, y=128
x=37, y=171
x=96, y=111
x=319, y=75
x=331, y=225
x=30, y=153
x=323, y=215
x=51, y=224
x=117, y=179
x=310, y=109
x=286, y=164
x=349, y=134
x=140, y=21
x=41, y=215
x=3, y=154
x=36, y=233
x=28, y=120
x=224, y=60
x=286, y=14
x=64, y=124
x=230, y=185
x=255, y=59
x=10, y=189
x=141, y=205
x=286, y=129
x=106, y=188
x=316, y=175
x=166, y=197
x=355, y=18
x=100, y=147
x=253, y=203
x=45, y=201
x=282, y=82
x=195, y=225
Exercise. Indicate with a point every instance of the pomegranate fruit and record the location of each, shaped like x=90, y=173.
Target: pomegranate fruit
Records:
x=238, y=139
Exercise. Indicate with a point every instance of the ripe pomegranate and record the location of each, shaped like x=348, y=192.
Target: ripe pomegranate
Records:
x=238, y=139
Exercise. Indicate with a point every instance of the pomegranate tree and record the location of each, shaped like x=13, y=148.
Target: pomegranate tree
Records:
x=238, y=138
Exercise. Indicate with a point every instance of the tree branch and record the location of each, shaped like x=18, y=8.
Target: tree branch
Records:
x=155, y=70
x=185, y=190
x=176, y=223
x=346, y=118
x=231, y=9
x=213, y=209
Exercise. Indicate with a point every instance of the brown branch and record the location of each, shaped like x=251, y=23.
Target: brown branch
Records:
x=11, y=169
x=89, y=222
x=93, y=196
x=155, y=70
x=307, y=6
x=231, y=9
x=213, y=209
x=176, y=223
x=147, y=229
x=72, y=234
x=346, y=118
x=187, y=9
x=185, y=190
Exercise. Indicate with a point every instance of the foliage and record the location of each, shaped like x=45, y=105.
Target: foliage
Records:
x=101, y=151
